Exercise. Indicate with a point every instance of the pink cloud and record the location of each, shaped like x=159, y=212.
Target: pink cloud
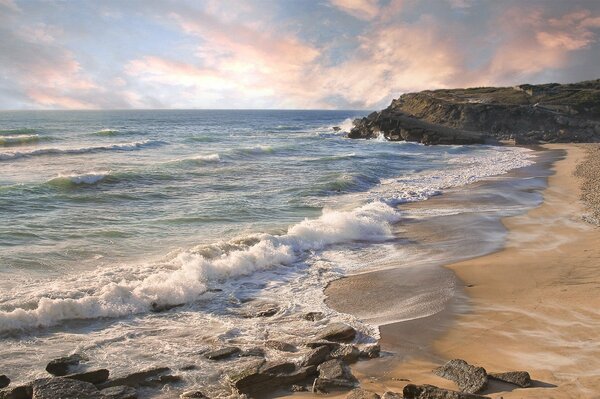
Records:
x=362, y=9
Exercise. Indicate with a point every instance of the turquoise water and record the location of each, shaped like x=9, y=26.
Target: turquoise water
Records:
x=106, y=215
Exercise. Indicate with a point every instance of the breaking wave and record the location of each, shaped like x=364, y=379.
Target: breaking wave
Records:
x=87, y=178
x=19, y=139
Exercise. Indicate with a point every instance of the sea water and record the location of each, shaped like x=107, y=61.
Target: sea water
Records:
x=108, y=216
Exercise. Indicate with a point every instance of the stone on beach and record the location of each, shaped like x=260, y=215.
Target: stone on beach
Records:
x=62, y=366
x=412, y=391
x=280, y=346
x=93, y=377
x=64, y=388
x=333, y=374
x=370, y=351
x=338, y=332
x=469, y=378
x=264, y=376
x=316, y=356
x=313, y=316
x=519, y=378
x=119, y=392
x=20, y=392
x=138, y=378
x=359, y=393
x=347, y=353
x=4, y=381
x=222, y=353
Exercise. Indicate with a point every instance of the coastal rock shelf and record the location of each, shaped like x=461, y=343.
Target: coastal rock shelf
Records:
x=524, y=114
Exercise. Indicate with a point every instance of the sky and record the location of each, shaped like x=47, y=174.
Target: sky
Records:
x=283, y=54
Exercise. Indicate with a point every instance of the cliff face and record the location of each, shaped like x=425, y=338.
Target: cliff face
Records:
x=526, y=114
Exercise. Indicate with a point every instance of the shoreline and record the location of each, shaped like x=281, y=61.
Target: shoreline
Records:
x=507, y=292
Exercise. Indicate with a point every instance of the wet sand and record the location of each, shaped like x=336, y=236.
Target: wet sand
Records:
x=532, y=305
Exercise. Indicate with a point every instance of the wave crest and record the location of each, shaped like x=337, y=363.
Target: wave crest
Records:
x=87, y=178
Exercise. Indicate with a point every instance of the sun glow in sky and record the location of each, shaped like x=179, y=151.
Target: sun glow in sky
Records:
x=352, y=54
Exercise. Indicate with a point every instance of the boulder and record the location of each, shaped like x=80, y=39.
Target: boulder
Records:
x=329, y=344
x=280, y=346
x=277, y=368
x=316, y=356
x=347, y=353
x=338, y=332
x=63, y=388
x=412, y=391
x=336, y=128
x=159, y=308
x=469, y=378
x=222, y=353
x=63, y=365
x=257, y=377
x=119, y=392
x=4, y=381
x=193, y=394
x=370, y=351
x=519, y=378
x=136, y=379
x=93, y=377
x=20, y=392
x=333, y=374
x=359, y=393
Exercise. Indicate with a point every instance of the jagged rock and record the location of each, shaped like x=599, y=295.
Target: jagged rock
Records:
x=391, y=395
x=62, y=366
x=93, y=377
x=119, y=392
x=316, y=356
x=193, y=394
x=317, y=344
x=158, y=308
x=338, y=332
x=519, y=378
x=280, y=346
x=412, y=391
x=4, y=381
x=469, y=378
x=257, y=377
x=347, y=353
x=298, y=388
x=370, y=351
x=333, y=374
x=136, y=379
x=222, y=353
x=20, y=392
x=313, y=316
x=63, y=388
x=359, y=393
x=336, y=128
x=256, y=352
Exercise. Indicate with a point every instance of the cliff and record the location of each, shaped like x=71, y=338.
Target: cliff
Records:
x=526, y=114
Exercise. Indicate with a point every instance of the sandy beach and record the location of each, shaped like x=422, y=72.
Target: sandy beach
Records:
x=533, y=305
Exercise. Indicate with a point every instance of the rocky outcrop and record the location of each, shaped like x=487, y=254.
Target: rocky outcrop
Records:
x=338, y=332
x=359, y=393
x=469, y=378
x=62, y=366
x=64, y=388
x=412, y=391
x=518, y=378
x=4, y=381
x=222, y=353
x=93, y=377
x=333, y=374
x=267, y=376
x=526, y=114
x=119, y=392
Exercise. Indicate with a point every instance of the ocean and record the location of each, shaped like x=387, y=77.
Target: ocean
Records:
x=146, y=238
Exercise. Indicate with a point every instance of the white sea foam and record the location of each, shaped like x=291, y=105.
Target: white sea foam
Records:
x=81, y=150
x=80, y=178
x=187, y=276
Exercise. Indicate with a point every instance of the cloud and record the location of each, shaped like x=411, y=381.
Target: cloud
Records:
x=362, y=9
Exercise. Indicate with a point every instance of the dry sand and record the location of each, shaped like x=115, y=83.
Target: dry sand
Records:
x=534, y=305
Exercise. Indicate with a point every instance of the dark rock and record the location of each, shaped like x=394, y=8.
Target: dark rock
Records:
x=329, y=344
x=63, y=388
x=119, y=392
x=519, y=378
x=20, y=392
x=359, y=393
x=257, y=378
x=469, y=378
x=277, y=368
x=222, y=353
x=313, y=316
x=136, y=379
x=338, y=332
x=158, y=308
x=161, y=380
x=280, y=346
x=412, y=391
x=336, y=128
x=4, y=381
x=298, y=388
x=63, y=365
x=391, y=395
x=93, y=377
x=256, y=352
x=316, y=356
x=347, y=353
x=370, y=351
x=333, y=374
x=188, y=367
x=193, y=394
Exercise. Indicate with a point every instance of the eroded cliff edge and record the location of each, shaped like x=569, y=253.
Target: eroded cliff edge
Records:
x=525, y=114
